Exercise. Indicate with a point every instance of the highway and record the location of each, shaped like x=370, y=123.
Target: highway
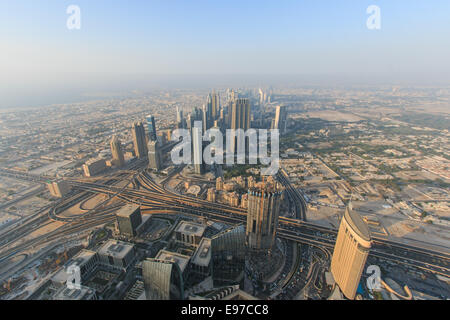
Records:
x=153, y=197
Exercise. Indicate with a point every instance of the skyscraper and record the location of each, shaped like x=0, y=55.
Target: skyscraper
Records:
x=139, y=140
x=350, y=252
x=151, y=127
x=262, y=217
x=213, y=105
x=197, y=147
x=240, y=113
x=180, y=119
x=280, y=119
x=239, y=118
x=154, y=155
x=117, y=153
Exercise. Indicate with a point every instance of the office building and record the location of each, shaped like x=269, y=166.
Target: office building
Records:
x=240, y=118
x=151, y=127
x=189, y=233
x=350, y=252
x=58, y=188
x=129, y=218
x=93, y=167
x=213, y=105
x=117, y=255
x=280, y=122
x=154, y=155
x=228, y=256
x=139, y=140
x=201, y=260
x=197, y=148
x=116, y=151
x=262, y=218
x=163, y=279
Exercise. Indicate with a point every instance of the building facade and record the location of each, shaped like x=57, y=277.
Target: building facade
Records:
x=350, y=252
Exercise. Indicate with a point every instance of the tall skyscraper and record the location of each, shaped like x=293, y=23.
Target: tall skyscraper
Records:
x=139, y=140
x=151, y=127
x=180, y=119
x=240, y=113
x=239, y=118
x=262, y=217
x=117, y=153
x=213, y=105
x=205, y=118
x=154, y=155
x=280, y=119
x=197, y=147
x=350, y=252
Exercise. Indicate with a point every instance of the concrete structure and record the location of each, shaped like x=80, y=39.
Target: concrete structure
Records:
x=213, y=105
x=139, y=140
x=262, y=218
x=116, y=151
x=93, y=167
x=189, y=232
x=350, y=252
x=181, y=260
x=116, y=254
x=128, y=219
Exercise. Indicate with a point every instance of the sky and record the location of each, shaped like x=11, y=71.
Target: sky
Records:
x=121, y=44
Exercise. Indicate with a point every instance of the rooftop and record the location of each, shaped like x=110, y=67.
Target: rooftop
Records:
x=127, y=210
x=116, y=249
x=191, y=228
x=202, y=255
x=180, y=259
x=357, y=223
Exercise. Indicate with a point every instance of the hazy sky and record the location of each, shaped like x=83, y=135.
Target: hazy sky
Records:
x=119, y=39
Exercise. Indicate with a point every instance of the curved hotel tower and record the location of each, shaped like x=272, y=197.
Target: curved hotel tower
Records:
x=350, y=252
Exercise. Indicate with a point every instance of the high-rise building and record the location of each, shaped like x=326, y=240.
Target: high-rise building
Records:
x=197, y=147
x=350, y=252
x=180, y=120
x=262, y=217
x=129, y=219
x=163, y=280
x=240, y=113
x=117, y=153
x=139, y=140
x=58, y=188
x=93, y=167
x=240, y=118
x=154, y=155
x=151, y=127
x=280, y=119
x=213, y=105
